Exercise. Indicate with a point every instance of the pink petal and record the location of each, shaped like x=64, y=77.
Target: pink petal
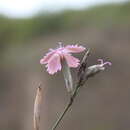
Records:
x=74, y=48
x=71, y=61
x=46, y=58
x=54, y=64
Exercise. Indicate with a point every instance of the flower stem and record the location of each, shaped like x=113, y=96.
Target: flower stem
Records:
x=61, y=116
x=66, y=108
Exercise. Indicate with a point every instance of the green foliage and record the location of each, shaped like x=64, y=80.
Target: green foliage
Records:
x=14, y=31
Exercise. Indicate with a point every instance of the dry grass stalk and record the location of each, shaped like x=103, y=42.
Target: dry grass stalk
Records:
x=37, y=105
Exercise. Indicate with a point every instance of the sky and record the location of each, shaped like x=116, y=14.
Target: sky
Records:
x=26, y=8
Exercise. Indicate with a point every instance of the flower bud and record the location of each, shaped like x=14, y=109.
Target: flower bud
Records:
x=93, y=70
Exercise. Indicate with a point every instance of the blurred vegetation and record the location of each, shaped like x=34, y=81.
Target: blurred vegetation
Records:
x=16, y=31
x=103, y=104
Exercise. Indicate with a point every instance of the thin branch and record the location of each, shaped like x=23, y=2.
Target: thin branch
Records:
x=66, y=108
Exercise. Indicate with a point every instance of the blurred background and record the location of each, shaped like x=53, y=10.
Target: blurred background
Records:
x=28, y=28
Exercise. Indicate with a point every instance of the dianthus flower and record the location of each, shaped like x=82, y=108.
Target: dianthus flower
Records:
x=54, y=57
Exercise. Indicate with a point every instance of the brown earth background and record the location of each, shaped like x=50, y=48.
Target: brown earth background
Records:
x=104, y=101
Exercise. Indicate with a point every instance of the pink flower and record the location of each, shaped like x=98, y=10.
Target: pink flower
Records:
x=54, y=57
x=104, y=63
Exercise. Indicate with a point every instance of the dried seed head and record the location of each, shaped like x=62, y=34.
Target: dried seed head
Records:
x=37, y=105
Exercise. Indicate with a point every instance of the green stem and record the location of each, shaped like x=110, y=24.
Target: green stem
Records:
x=61, y=116
x=66, y=108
